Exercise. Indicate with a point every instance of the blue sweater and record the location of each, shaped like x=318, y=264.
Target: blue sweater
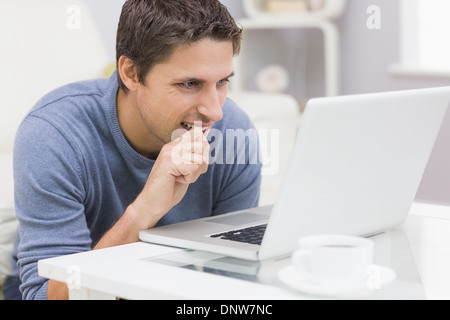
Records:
x=75, y=175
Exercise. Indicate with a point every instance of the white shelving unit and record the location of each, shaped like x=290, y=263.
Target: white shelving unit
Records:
x=259, y=19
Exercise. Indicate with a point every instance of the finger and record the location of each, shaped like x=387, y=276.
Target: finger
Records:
x=201, y=153
x=182, y=180
x=193, y=147
x=196, y=152
x=188, y=173
x=190, y=157
x=206, y=156
x=197, y=133
x=177, y=134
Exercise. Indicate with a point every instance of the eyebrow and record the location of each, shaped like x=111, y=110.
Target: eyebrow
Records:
x=193, y=79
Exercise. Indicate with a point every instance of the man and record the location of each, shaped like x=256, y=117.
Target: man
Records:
x=98, y=161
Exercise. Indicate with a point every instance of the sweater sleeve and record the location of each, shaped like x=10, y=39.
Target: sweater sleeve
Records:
x=49, y=193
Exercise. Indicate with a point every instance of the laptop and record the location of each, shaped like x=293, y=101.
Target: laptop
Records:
x=355, y=169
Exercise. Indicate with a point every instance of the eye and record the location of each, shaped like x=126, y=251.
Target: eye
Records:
x=223, y=82
x=189, y=85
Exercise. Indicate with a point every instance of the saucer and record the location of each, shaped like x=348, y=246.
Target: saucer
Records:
x=377, y=277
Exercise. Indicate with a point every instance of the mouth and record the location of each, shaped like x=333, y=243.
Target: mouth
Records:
x=189, y=126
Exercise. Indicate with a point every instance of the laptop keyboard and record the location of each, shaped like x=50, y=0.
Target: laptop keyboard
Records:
x=252, y=235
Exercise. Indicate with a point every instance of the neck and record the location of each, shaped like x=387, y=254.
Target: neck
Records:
x=133, y=127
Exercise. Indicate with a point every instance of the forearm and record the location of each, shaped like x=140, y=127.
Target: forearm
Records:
x=126, y=229
x=165, y=187
x=57, y=291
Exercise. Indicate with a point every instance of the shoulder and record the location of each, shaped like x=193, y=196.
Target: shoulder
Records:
x=62, y=123
x=234, y=117
x=72, y=110
x=70, y=95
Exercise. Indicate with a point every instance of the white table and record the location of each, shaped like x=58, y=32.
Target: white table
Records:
x=418, y=251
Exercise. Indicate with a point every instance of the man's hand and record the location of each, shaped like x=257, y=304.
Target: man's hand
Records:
x=180, y=163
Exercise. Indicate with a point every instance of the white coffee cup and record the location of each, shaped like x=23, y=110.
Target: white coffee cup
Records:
x=336, y=261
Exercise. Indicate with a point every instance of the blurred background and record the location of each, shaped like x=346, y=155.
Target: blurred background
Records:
x=293, y=50
x=302, y=48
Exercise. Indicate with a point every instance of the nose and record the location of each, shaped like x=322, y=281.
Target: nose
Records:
x=211, y=103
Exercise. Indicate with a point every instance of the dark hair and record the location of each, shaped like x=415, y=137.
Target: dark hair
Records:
x=150, y=31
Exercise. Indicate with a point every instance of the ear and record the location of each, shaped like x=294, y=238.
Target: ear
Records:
x=128, y=73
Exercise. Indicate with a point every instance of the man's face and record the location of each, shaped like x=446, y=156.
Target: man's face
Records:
x=189, y=88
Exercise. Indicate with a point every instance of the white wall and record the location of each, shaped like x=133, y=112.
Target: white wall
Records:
x=44, y=44
x=366, y=58
x=107, y=14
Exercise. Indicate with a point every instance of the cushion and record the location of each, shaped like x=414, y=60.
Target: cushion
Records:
x=8, y=222
x=8, y=229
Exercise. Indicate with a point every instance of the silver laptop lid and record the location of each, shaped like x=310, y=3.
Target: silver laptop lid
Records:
x=356, y=166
